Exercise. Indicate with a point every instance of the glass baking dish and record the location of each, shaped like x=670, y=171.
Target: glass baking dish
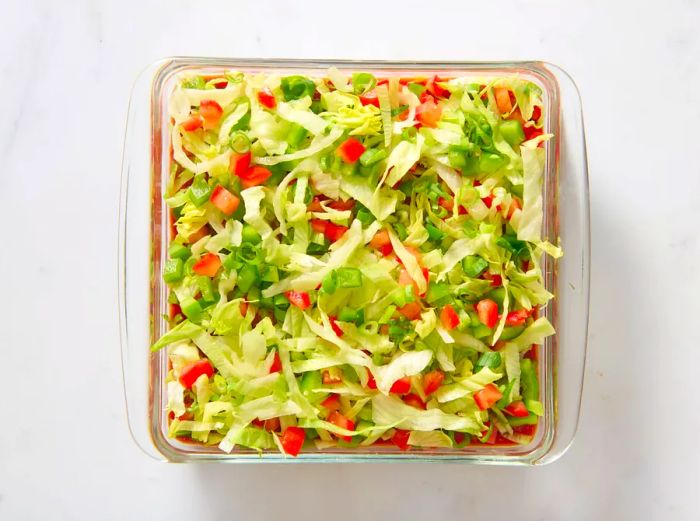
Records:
x=144, y=236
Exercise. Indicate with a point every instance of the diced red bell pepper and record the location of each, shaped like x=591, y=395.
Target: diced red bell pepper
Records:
x=429, y=113
x=449, y=317
x=239, y=163
x=334, y=325
x=211, y=111
x=411, y=310
x=432, y=381
x=401, y=386
x=435, y=89
x=300, y=299
x=350, y=150
x=192, y=123
x=334, y=232
x=414, y=401
x=370, y=98
x=341, y=421
x=487, y=310
x=207, y=265
x=255, y=176
x=536, y=113
x=487, y=396
x=224, y=200
x=332, y=402
x=292, y=440
x=488, y=200
x=266, y=98
x=517, y=318
x=400, y=439
x=193, y=370
x=517, y=409
x=276, y=366
x=371, y=382
x=532, y=132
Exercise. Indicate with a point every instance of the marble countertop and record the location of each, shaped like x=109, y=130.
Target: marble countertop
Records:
x=66, y=70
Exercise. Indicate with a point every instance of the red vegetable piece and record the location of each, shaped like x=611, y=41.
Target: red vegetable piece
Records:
x=414, y=401
x=255, y=176
x=276, y=366
x=299, y=298
x=350, y=150
x=292, y=440
x=239, y=163
x=517, y=409
x=341, y=421
x=449, y=317
x=207, y=265
x=211, y=111
x=487, y=310
x=224, y=200
x=487, y=396
x=332, y=403
x=401, y=386
x=193, y=370
x=266, y=98
x=400, y=439
x=432, y=381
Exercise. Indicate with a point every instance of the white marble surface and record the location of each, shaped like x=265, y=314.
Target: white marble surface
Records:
x=65, y=73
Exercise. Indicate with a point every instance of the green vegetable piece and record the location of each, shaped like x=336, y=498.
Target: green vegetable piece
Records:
x=231, y=262
x=349, y=277
x=363, y=82
x=239, y=142
x=509, y=333
x=248, y=276
x=316, y=249
x=350, y=315
x=173, y=271
x=473, y=265
x=481, y=331
x=330, y=283
x=310, y=380
x=200, y=191
x=511, y=243
x=438, y=294
x=386, y=316
x=192, y=309
x=247, y=253
x=280, y=301
x=530, y=419
x=179, y=251
x=401, y=231
x=528, y=380
x=296, y=87
x=372, y=156
x=270, y=274
x=266, y=302
x=364, y=215
x=490, y=359
x=503, y=402
x=279, y=314
x=416, y=88
x=512, y=132
x=296, y=135
x=206, y=289
x=250, y=235
x=457, y=160
x=434, y=233
x=490, y=163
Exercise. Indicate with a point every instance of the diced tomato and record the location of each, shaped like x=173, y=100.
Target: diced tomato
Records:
x=350, y=150
x=414, y=401
x=401, y=386
x=502, y=99
x=487, y=396
x=292, y=440
x=342, y=206
x=341, y=421
x=192, y=123
x=517, y=409
x=299, y=298
x=370, y=98
x=429, y=113
x=334, y=231
x=532, y=132
x=371, y=382
x=174, y=310
x=224, y=200
x=193, y=370
x=239, y=164
x=514, y=205
x=435, y=89
x=208, y=264
x=335, y=326
x=266, y=98
x=332, y=402
x=315, y=205
x=536, y=113
x=517, y=318
x=400, y=439
x=211, y=111
x=527, y=430
x=276, y=366
x=487, y=310
x=319, y=225
x=255, y=176
x=271, y=424
x=329, y=378
x=449, y=317
x=448, y=204
x=432, y=381
x=411, y=310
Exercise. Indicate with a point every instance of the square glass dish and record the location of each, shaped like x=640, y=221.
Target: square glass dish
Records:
x=144, y=235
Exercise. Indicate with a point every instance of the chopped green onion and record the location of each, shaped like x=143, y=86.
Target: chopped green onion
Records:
x=179, y=251
x=200, y=191
x=438, y=293
x=386, y=316
x=347, y=315
x=349, y=277
x=270, y=274
x=191, y=309
x=296, y=135
x=490, y=359
x=434, y=233
x=249, y=235
x=363, y=82
x=247, y=277
x=330, y=283
x=372, y=156
x=473, y=265
x=364, y=215
x=280, y=301
x=296, y=87
x=239, y=142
